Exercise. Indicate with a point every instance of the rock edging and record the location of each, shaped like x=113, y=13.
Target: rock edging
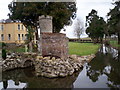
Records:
x=52, y=67
x=46, y=66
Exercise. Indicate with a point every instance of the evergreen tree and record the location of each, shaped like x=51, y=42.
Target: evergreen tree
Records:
x=114, y=20
x=95, y=26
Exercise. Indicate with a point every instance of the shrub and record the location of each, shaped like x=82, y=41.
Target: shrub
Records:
x=3, y=53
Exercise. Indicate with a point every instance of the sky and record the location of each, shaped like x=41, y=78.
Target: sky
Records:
x=83, y=8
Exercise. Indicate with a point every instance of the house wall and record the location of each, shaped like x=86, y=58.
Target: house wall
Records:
x=12, y=29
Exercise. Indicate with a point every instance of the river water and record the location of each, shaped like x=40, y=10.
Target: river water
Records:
x=102, y=72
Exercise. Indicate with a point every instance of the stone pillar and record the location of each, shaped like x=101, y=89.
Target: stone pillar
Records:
x=45, y=23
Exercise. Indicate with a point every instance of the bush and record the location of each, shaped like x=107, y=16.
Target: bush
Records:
x=2, y=44
x=3, y=53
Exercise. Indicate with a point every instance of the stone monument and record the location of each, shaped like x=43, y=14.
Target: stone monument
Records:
x=53, y=44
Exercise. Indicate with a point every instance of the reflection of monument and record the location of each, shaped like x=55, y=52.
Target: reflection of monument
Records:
x=5, y=84
x=20, y=76
x=17, y=82
x=53, y=44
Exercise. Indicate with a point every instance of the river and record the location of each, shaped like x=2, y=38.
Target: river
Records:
x=102, y=72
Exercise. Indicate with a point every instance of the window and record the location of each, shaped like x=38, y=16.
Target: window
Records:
x=18, y=36
x=9, y=36
x=18, y=27
x=22, y=27
x=2, y=37
x=22, y=36
x=1, y=27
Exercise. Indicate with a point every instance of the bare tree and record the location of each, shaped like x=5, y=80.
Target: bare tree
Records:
x=78, y=28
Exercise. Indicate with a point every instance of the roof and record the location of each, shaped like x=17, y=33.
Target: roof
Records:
x=8, y=21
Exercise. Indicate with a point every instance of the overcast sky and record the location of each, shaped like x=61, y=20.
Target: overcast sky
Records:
x=84, y=7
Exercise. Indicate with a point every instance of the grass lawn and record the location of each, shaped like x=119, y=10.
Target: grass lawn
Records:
x=83, y=48
x=18, y=49
x=114, y=43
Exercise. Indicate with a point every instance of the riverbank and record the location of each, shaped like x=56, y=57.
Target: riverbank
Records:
x=83, y=49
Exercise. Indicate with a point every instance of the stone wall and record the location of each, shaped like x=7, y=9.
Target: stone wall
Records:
x=55, y=44
x=17, y=60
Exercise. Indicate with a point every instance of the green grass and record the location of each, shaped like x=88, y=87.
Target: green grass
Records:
x=114, y=43
x=83, y=48
x=19, y=50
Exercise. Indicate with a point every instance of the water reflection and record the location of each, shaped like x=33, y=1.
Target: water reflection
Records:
x=106, y=62
x=7, y=84
x=25, y=78
x=102, y=72
x=109, y=50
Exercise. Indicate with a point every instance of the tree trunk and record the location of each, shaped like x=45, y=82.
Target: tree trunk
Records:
x=36, y=33
x=119, y=53
x=101, y=40
x=119, y=38
x=40, y=44
x=108, y=39
x=79, y=39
